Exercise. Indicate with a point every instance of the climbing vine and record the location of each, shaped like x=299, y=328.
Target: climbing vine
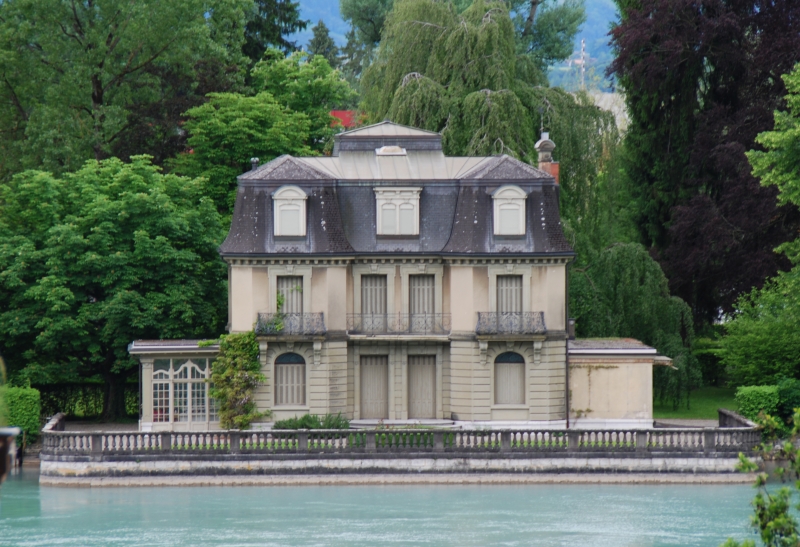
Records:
x=235, y=374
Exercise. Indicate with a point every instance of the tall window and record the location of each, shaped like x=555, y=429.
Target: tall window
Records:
x=509, y=211
x=290, y=287
x=397, y=211
x=290, y=380
x=509, y=293
x=509, y=379
x=373, y=303
x=289, y=207
x=421, y=306
x=180, y=391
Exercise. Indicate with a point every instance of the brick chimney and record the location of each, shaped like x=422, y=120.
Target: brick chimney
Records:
x=545, y=149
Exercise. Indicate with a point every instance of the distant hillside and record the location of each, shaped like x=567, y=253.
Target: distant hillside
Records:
x=599, y=16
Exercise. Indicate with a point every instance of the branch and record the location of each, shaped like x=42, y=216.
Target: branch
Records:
x=15, y=99
x=128, y=70
x=528, y=30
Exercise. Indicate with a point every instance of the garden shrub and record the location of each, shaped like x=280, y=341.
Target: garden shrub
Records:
x=312, y=421
x=755, y=399
x=788, y=398
x=23, y=409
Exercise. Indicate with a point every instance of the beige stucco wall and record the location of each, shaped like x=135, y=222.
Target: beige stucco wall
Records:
x=611, y=388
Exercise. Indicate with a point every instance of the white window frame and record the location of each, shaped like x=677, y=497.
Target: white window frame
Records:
x=510, y=269
x=289, y=197
x=170, y=378
x=405, y=198
x=507, y=198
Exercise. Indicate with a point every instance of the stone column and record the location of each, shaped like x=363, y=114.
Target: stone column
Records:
x=147, y=393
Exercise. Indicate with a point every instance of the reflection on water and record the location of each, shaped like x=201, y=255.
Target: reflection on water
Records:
x=541, y=515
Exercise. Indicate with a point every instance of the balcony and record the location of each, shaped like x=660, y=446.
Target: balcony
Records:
x=290, y=324
x=510, y=323
x=398, y=323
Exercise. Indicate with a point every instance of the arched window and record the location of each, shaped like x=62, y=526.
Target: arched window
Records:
x=289, y=206
x=509, y=379
x=397, y=210
x=290, y=380
x=509, y=211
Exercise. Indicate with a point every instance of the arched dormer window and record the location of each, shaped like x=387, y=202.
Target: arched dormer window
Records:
x=397, y=211
x=289, y=207
x=509, y=211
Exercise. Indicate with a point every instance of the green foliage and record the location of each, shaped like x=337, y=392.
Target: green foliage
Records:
x=235, y=374
x=367, y=18
x=623, y=292
x=788, y=398
x=289, y=114
x=23, y=409
x=94, y=259
x=268, y=24
x=82, y=80
x=774, y=510
x=230, y=129
x=546, y=30
x=312, y=421
x=753, y=400
x=323, y=44
x=761, y=344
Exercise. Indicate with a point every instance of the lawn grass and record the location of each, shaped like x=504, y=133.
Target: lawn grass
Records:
x=703, y=404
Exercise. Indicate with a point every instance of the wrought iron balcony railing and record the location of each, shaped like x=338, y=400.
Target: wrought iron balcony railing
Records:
x=282, y=324
x=398, y=323
x=511, y=323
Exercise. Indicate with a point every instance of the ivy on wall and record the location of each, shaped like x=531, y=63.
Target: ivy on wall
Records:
x=235, y=374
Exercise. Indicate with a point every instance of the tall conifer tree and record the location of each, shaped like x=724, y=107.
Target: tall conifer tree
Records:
x=322, y=44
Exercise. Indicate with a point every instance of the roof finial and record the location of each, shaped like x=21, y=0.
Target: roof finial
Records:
x=254, y=162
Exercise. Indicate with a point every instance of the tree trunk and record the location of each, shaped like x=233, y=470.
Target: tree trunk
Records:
x=531, y=17
x=114, y=397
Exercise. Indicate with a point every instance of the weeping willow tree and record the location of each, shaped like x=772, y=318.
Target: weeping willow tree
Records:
x=461, y=74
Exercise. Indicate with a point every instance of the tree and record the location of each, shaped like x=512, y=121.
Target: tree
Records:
x=290, y=114
x=546, y=30
x=81, y=80
x=761, y=344
x=231, y=128
x=322, y=44
x=93, y=259
x=700, y=82
x=366, y=18
x=268, y=22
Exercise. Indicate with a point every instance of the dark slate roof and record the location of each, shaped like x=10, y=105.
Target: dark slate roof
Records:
x=456, y=207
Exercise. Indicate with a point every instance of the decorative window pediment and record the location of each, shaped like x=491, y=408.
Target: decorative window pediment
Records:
x=289, y=206
x=509, y=211
x=397, y=211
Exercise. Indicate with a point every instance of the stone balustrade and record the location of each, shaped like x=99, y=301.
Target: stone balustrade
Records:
x=408, y=443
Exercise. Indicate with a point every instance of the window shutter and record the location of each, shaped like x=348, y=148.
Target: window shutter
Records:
x=373, y=294
x=509, y=293
x=291, y=287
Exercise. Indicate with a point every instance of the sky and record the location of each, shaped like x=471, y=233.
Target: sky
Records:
x=599, y=14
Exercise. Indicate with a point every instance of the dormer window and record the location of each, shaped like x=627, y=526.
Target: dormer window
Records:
x=397, y=211
x=509, y=211
x=289, y=207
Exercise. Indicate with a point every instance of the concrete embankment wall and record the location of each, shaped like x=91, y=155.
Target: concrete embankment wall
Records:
x=82, y=467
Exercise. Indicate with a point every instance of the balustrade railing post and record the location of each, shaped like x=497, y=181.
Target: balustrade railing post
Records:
x=709, y=440
x=438, y=441
x=641, y=441
x=97, y=443
x=302, y=441
x=573, y=440
x=370, y=444
x=505, y=441
x=236, y=441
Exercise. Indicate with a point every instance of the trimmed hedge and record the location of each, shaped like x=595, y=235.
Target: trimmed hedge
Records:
x=24, y=409
x=312, y=421
x=755, y=399
x=788, y=398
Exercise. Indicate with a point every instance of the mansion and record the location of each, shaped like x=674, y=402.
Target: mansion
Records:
x=391, y=283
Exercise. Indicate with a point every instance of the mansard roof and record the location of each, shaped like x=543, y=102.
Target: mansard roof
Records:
x=456, y=206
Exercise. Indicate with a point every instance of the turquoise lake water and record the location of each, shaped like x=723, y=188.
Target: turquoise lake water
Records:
x=540, y=515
